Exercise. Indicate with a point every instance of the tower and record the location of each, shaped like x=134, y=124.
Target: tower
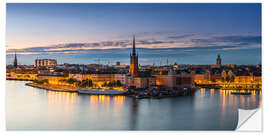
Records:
x=134, y=66
x=218, y=61
x=15, y=63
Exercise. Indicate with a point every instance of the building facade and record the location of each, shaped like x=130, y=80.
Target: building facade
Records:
x=53, y=78
x=100, y=79
x=45, y=62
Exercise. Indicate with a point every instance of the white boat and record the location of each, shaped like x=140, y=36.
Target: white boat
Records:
x=101, y=91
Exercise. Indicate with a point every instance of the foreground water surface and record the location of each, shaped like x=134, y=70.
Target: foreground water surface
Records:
x=30, y=108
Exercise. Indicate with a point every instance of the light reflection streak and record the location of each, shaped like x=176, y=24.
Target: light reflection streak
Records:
x=62, y=105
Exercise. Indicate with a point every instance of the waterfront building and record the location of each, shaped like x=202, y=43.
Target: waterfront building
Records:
x=20, y=76
x=248, y=78
x=215, y=76
x=45, y=63
x=186, y=80
x=122, y=78
x=200, y=77
x=144, y=82
x=168, y=79
x=134, y=65
x=53, y=78
x=100, y=78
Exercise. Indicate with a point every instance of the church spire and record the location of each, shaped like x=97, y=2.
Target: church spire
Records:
x=134, y=65
x=15, y=64
x=134, y=48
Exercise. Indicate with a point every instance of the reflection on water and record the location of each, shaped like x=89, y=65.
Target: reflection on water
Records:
x=35, y=109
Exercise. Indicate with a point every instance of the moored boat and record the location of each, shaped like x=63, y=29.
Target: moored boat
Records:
x=241, y=93
x=101, y=91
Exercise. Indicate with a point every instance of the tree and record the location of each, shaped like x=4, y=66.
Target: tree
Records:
x=104, y=84
x=66, y=74
x=227, y=79
x=71, y=80
x=232, y=79
x=118, y=83
x=45, y=81
x=222, y=79
x=85, y=83
x=109, y=84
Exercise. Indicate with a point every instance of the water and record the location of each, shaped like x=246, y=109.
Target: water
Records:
x=30, y=108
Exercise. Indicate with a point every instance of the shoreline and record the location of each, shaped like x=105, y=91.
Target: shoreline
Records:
x=16, y=79
x=50, y=88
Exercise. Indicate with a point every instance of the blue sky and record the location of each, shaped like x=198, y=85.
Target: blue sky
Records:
x=193, y=29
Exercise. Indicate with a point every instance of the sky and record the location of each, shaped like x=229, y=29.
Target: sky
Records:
x=182, y=33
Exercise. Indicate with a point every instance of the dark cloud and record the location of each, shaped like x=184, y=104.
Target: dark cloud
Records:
x=181, y=36
x=241, y=39
x=237, y=40
x=153, y=42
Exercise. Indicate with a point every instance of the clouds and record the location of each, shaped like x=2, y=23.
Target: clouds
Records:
x=229, y=42
x=229, y=39
x=181, y=36
x=187, y=42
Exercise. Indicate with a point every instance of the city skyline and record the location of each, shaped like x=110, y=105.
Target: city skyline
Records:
x=124, y=66
x=178, y=32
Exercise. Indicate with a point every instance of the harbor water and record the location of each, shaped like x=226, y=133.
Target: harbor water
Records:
x=29, y=108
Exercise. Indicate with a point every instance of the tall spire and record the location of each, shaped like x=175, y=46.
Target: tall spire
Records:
x=134, y=48
x=15, y=64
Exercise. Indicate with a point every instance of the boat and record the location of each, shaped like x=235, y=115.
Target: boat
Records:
x=101, y=91
x=241, y=93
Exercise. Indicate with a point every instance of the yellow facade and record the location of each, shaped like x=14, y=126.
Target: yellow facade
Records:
x=100, y=79
x=13, y=75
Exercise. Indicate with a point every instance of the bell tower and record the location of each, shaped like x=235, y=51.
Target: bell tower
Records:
x=218, y=61
x=134, y=66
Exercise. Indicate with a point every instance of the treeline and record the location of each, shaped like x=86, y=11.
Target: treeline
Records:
x=112, y=84
x=45, y=81
x=227, y=79
x=83, y=83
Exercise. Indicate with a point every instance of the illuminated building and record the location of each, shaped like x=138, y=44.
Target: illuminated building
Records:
x=168, y=80
x=134, y=66
x=22, y=76
x=200, y=78
x=53, y=78
x=101, y=78
x=175, y=65
x=144, y=82
x=45, y=62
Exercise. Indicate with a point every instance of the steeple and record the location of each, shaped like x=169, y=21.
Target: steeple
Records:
x=15, y=63
x=218, y=61
x=134, y=65
x=134, y=48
